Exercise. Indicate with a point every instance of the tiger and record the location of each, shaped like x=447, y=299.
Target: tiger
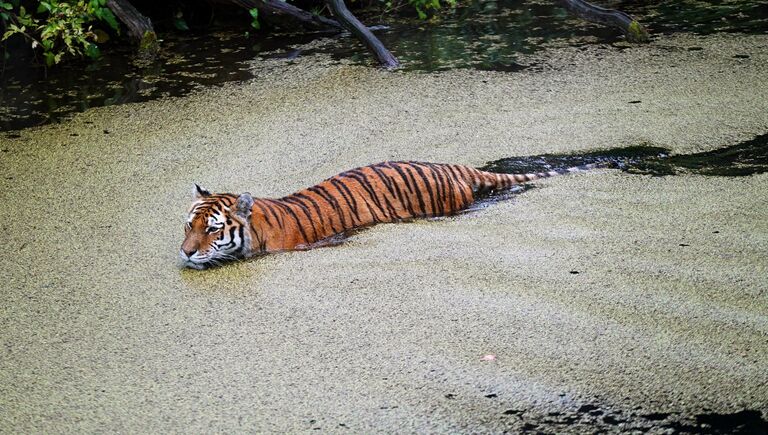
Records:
x=223, y=226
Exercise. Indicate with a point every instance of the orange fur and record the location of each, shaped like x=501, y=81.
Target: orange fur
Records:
x=384, y=192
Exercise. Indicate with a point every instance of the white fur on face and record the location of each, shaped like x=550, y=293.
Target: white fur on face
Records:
x=227, y=243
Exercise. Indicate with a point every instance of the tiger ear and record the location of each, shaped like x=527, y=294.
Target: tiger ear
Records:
x=244, y=205
x=199, y=193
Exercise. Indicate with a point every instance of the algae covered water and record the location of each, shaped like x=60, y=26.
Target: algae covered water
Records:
x=485, y=35
x=611, y=301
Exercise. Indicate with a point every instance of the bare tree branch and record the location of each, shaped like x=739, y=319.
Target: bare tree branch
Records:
x=280, y=10
x=351, y=23
x=633, y=30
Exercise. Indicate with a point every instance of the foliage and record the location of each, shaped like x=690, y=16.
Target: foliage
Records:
x=59, y=28
x=255, y=18
x=426, y=7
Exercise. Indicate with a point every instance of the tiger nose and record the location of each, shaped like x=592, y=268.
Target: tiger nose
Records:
x=188, y=253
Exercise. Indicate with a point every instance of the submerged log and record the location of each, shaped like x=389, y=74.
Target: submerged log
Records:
x=633, y=30
x=140, y=29
x=351, y=23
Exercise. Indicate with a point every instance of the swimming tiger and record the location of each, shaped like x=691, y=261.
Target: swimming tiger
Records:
x=225, y=226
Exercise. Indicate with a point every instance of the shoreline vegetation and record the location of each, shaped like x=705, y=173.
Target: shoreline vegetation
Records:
x=59, y=29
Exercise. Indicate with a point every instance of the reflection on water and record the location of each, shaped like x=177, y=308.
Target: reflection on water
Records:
x=486, y=34
x=30, y=98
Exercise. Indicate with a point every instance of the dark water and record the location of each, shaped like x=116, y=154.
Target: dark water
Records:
x=596, y=417
x=746, y=158
x=187, y=62
x=486, y=34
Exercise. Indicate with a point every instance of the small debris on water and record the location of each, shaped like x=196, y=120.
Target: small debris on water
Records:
x=513, y=412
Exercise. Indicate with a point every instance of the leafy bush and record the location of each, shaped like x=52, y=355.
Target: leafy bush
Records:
x=59, y=28
x=425, y=7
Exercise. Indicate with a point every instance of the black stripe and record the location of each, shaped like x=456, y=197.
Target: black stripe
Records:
x=305, y=209
x=458, y=182
x=242, y=240
x=341, y=188
x=320, y=191
x=443, y=173
x=426, y=186
x=362, y=179
x=441, y=181
x=388, y=184
x=231, y=238
x=317, y=210
x=405, y=201
x=369, y=190
x=396, y=167
x=262, y=243
x=270, y=206
x=263, y=212
x=416, y=190
x=439, y=194
x=370, y=209
x=290, y=211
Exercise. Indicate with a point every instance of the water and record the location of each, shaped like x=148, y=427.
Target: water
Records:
x=487, y=35
x=186, y=62
x=745, y=158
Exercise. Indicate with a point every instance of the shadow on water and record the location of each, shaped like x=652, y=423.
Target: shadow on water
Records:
x=596, y=417
x=745, y=158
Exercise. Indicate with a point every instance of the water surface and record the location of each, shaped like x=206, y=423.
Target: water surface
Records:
x=487, y=35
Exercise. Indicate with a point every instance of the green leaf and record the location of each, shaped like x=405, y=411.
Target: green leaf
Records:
x=6, y=6
x=92, y=51
x=50, y=59
x=180, y=24
x=255, y=23
x=109, y=17
x=422, y=15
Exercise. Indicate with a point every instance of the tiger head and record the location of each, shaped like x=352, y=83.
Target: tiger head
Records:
x=217, y=229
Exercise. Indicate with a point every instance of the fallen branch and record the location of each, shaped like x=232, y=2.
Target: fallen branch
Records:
x=351, y=23
x=278, y=10
x=140, y=29
x=633, y=30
